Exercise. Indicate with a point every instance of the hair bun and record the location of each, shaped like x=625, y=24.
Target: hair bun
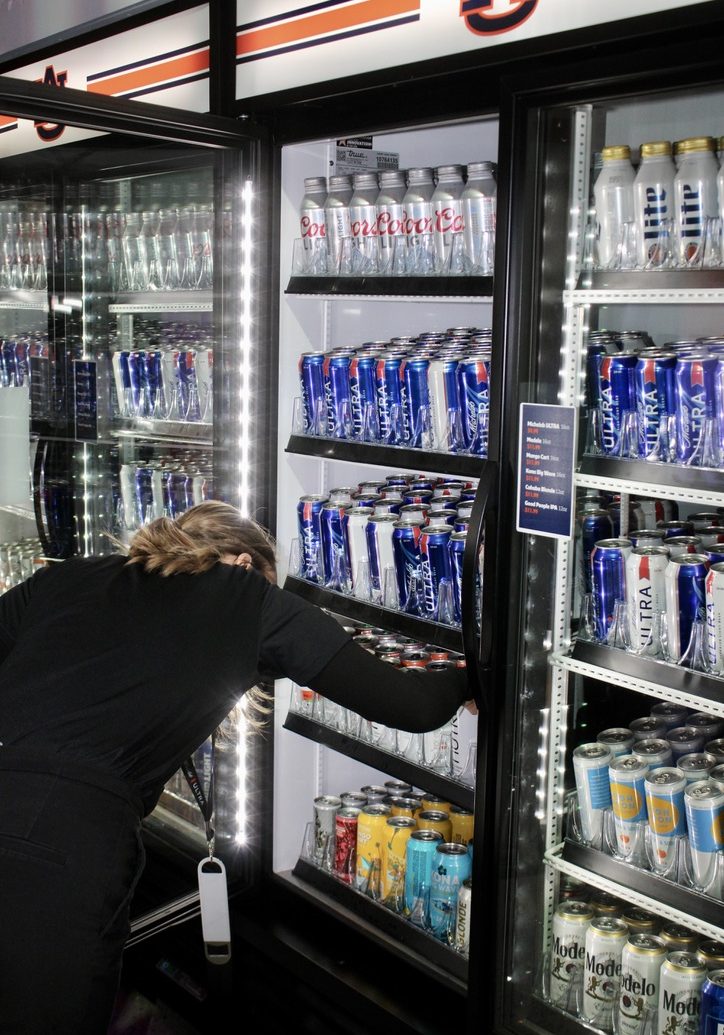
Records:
x=164, y=548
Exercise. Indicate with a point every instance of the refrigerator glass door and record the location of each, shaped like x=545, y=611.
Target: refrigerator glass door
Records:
x=618, y=674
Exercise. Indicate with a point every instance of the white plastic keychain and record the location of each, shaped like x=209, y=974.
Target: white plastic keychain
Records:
x=214, y=900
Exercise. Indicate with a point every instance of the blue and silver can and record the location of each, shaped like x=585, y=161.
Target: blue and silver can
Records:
x=595, y=525
x=336, y=560
x=666, y=813
x=711, y=1015
x=655, y=397
x=337, y=395
x=474, y=393
x=695, y=401
x=363, y=398
x=685, y=578
x=420, y=855
x=590, y=768
x=627, y=775
x=608, y=581
x=406, y=551
x=457, y=553
x=314, y=400
x=416, y=401
x=435, y=565
x=675, y=527
x=309, y=523
x=451, y=867
x=655, y=752
x=595, y=351
x=617, y=392
x=704, y=803
x=389, y=398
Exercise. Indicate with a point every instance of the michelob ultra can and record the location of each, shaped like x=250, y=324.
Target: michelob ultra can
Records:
x=605, y=939
x=571, y=920
x=452, y=866
x=680, y=979
x=641, y=961
x=645, y=590
x=704, y=803
x=666, y=813
x=394, y=855
x=714, y=587
x=628, y=800
x=590, y=767
x=685, y=598
x=711, y=1017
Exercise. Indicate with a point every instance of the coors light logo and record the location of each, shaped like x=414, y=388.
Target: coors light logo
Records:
x=489, y=17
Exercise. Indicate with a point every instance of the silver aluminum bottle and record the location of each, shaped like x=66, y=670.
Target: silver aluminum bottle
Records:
x=613, y=194
x=654, y=202
x=641, y=961
x=605, y=939
x=417, y=204
x=479, y=208
x=681, y=977
x=570, y=923
x=695, y=196
x=390, y=211
x=447, y=210
x=311, y=212
x=363, y=207
x=336, y=218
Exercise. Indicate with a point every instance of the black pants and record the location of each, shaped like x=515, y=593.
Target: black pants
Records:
x=70, y=856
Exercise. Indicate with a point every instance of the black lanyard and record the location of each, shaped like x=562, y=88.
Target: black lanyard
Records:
x=205, y=801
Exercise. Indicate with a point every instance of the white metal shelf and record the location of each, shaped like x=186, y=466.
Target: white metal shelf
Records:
x=661, y=691
x=553, y=859
x=663, y=490
x=163, y=302
x=645, y=296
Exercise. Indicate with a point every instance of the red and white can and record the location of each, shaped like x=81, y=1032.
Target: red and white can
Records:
x=390, y=212
x=345, y=854
x=363, y=212
x=311, y=214
x=714, y=584
x=447, y=211
x=645, y=590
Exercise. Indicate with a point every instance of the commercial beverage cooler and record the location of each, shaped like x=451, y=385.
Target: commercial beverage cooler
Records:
x=613, y=908
x=125, y=306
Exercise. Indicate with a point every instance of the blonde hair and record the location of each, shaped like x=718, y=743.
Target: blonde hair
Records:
x=196, y=541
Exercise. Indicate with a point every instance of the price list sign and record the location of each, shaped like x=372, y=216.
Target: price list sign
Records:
x=546, y=459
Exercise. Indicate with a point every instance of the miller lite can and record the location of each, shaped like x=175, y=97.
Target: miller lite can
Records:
x=695, y=197
x=654, y=203
x=714, y=588
x=571, y=920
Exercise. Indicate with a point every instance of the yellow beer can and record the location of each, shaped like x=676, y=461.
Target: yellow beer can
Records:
x=405, y=807
x=432, y=802
x=399, y=829
x=433, y=819
x=463, y=821
x=371, y=836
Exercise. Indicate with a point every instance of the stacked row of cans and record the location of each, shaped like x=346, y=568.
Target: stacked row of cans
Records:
x=665, y=772
x=382, y=219
x=400, y=540
x=408, y=849
x=429, y=391
x=623, y=969
x=658, y=404
x=169, y=377
x=165, y=486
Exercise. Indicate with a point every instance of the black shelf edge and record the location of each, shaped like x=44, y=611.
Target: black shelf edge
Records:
x=631, y=878
x=696, y=478
x=400, y=768
x=652, y=280
x=372, y=614
x=673, y=677
x=397, y=934
x=412, y=287
x=386, y=456
x=544, y=1016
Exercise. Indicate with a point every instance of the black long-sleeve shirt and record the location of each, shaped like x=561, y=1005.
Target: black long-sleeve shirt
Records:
x=127, y=672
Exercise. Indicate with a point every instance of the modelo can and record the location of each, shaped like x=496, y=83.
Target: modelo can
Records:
x=696, y=766
x=678, y=939
x=714, y=598
x=656, y=753
x=420, y=856
x=618, y=740
x=608, y=580
x=571, y=920
x=655, y=399
x=605, y=939
x=639, y=921
x=685, y=599
x=685, y=740
x=452, y=866
x=617, y=394
x=326, y=807
x=628, y=800
x=704, y=803
x=645, y=590
x=695, y=403
x=641, y=961
x=309, y=522
x=462, y=916
x=666, y=813
x=680, y=979
x=345, y=852
x=371, y=833
x=398, y=831
x=590, y=767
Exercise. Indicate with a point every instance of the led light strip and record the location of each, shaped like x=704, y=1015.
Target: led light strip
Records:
x=245, y=346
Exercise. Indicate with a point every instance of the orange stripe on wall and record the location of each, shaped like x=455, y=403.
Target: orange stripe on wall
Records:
x=318, y=24
x=154, y=74
x=5, y=120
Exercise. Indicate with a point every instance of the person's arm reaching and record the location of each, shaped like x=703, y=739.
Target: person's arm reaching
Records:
x=403, y=698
